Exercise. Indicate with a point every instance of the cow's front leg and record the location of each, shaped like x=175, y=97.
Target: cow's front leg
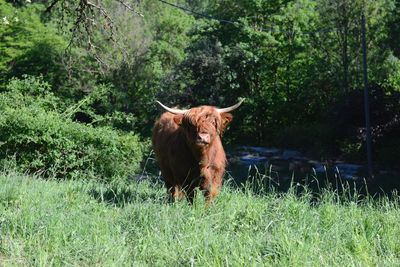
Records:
x=176, y=192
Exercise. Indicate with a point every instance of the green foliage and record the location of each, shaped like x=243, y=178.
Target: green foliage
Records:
x=159, y=47
x=392, y=64
x=343, y=45
x=98, y=108
x=393, y=25
x=45, y=142
x=29, y=91
x=41, y=139
x=29, y=46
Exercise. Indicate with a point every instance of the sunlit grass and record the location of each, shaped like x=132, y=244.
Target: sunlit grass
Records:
x=83, y=223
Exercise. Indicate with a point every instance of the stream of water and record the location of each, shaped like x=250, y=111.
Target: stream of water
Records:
x=282, y=167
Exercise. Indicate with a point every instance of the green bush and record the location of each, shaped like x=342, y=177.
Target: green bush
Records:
x=37, y=131
x=45, y=142
x=29, y=91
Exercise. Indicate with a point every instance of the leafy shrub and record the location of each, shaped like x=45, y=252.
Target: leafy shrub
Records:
x=99, y=108
x=38, y=132
x=29, y=91
x=45, y=142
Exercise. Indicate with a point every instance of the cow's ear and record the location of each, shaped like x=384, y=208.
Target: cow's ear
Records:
x=178, y=119
x=226, y=119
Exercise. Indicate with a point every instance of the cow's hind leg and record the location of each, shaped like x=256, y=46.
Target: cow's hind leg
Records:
x=191, y=194
x=174, y=189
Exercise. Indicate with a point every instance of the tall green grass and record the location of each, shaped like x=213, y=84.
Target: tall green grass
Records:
x=84, y=223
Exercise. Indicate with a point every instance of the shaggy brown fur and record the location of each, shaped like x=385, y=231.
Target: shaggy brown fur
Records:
x=189, y=151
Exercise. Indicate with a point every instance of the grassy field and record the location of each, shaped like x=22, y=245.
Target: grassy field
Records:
x=81, y=223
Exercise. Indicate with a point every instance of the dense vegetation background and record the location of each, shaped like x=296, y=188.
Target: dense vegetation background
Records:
x=78, y=79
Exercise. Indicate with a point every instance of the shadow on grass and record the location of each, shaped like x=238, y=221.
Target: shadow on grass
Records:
x=147, y=186
x=120, y=195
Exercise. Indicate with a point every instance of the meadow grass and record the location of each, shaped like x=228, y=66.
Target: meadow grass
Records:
x=84, y=223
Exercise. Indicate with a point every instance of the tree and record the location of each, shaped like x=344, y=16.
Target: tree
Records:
x=342, y=44
x=23, y=38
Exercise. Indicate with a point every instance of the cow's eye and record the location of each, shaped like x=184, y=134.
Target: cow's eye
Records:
x=189, y=124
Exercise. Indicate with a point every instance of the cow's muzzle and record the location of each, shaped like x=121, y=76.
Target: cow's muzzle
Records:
x=203, y=139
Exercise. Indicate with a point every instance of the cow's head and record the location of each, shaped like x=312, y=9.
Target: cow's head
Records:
x=202, y=124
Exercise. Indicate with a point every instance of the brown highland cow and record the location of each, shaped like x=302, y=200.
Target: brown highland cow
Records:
x=188, y=148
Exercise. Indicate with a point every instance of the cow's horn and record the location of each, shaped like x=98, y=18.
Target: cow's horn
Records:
x=229, y=109
x=172, y=110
